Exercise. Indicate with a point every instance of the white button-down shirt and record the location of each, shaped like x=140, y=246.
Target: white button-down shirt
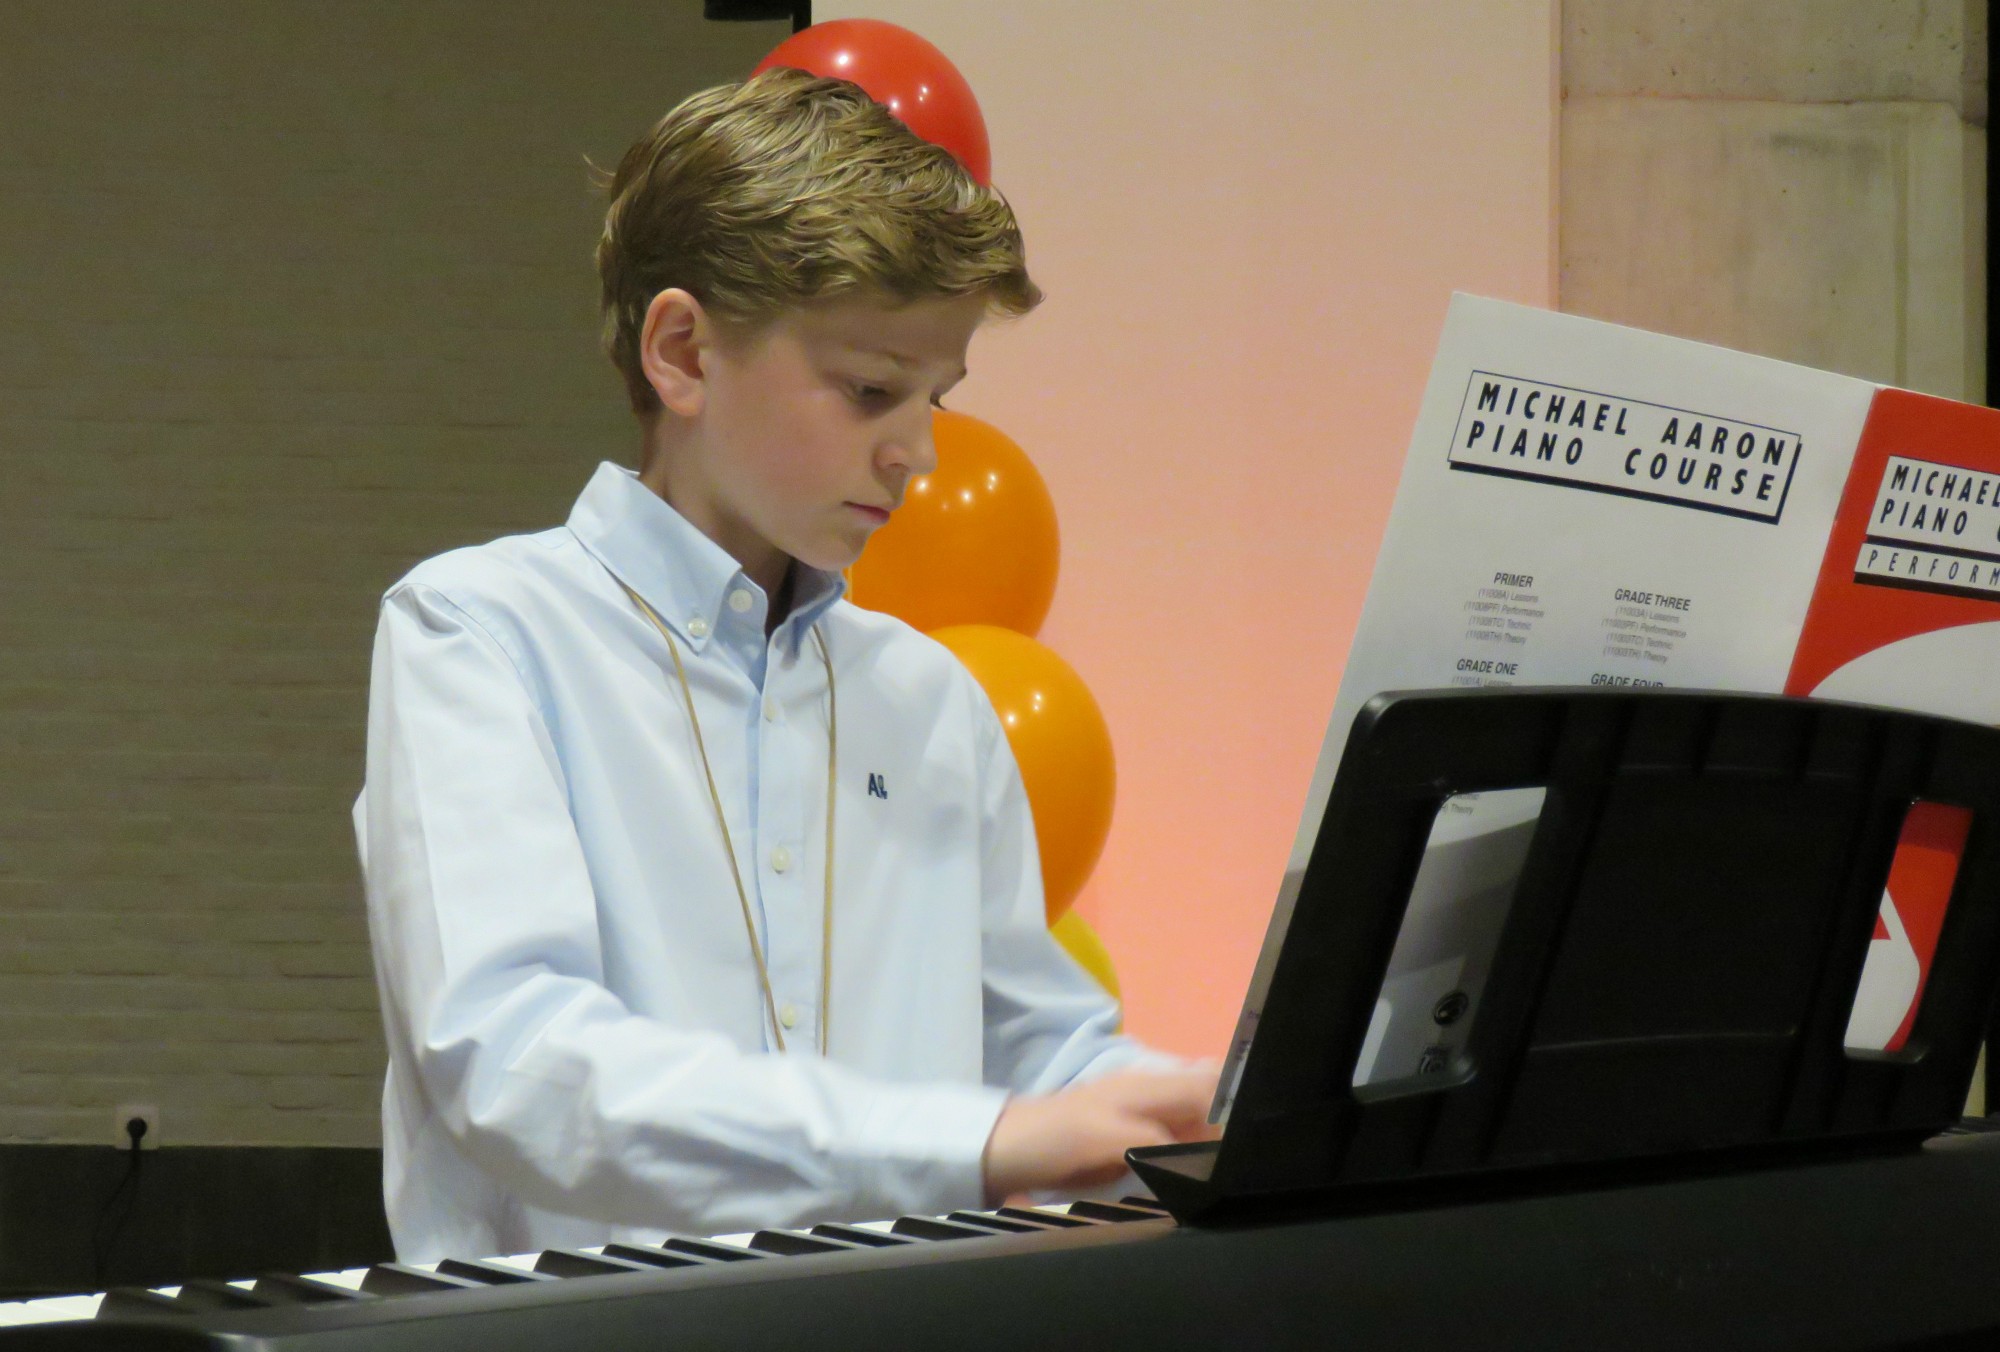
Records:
x=579, y=1048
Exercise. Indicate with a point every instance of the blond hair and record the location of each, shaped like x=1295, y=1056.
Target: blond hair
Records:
x=786, y=190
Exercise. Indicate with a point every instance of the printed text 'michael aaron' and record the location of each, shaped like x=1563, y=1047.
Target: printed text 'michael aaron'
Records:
x=1583, y=439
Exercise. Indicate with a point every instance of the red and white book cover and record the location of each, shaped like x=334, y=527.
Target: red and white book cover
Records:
x=1906, y=612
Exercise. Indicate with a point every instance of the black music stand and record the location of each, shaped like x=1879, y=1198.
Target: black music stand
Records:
x=1649, y=1010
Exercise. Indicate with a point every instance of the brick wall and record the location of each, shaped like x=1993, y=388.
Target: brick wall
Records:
x=291, y=295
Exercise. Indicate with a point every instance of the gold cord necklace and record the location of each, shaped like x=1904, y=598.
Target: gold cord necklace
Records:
x=729, y=847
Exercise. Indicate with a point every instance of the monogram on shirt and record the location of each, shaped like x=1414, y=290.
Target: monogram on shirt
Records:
x=878, y=787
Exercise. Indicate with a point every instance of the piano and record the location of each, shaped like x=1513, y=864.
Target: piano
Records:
x=1897, y=1251
x=1741, y=1181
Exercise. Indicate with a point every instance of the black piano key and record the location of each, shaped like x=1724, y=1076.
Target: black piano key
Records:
x=1112, y=1211
x=797, y=1243
x=925, y=1227
x=998, y=1224
x=486, y=1274
x=201, y=1295
x=400, y=1279
x=1045, y=1216
x=206, y=1293
x=708, y=1248
x=1151, y=1204
x=284, y=1288
x=575, y=1263
x=651, y=1257
x=854, y=1234
x=122, y=1302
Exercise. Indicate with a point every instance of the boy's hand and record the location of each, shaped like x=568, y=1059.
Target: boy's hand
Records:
x=1077, y=1139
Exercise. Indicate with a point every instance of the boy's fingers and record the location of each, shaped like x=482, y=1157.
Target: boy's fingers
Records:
x=1139, y=1131
x=1167, y=1094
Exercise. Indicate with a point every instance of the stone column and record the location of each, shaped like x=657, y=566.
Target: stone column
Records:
x=1804, y=179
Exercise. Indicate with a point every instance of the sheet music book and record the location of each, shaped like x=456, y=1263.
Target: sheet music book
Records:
x=1587, y=504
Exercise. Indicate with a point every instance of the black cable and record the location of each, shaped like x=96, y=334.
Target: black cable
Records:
x=104, y=1235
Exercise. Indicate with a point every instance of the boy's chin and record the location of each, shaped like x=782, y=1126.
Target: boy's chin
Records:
x=829, y=559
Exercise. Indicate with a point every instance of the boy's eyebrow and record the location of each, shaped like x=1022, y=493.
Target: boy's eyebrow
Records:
x=901, y=360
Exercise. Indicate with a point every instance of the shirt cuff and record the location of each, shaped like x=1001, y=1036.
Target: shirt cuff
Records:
x=927, y=1146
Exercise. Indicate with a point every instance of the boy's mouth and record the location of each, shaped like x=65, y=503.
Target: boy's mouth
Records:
x=878, y=515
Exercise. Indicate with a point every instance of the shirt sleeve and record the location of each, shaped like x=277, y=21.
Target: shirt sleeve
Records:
x=489, y=958
x=1048, y=1023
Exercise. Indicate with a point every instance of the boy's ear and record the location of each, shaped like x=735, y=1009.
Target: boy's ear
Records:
x=671, y=346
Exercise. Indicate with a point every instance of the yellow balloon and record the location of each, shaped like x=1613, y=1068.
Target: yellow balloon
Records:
x=1080, y=941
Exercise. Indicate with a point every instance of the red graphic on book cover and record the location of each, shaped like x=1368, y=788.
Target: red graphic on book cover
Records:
x=1910, y=554
x=1920, y=881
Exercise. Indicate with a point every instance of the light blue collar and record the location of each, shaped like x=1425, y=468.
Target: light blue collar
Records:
x=680, y=572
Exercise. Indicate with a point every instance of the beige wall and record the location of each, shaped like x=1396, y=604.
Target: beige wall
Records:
x=1248, y=217
x=291, y=295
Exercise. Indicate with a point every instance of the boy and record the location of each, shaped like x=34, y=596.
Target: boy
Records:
x=652, y=955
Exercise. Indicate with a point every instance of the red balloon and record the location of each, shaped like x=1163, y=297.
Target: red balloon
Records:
x=899, y=69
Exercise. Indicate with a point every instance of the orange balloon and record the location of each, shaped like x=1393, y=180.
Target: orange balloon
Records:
x=1060, y=742
x=974, y=541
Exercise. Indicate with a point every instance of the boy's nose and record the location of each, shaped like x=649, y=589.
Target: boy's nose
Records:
x=914, y=451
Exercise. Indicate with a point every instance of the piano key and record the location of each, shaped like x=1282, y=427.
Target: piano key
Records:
x=351, y=1278
x=1058, y=1219
x=855, y=1234
x=924, y=1227
x=577, y=1263
x=1111, y=1211
x=283, y=1288
x=51, y=1309
x=1144, y=1204
x=489, y=1273
x=998, y=1224
x=206, y=1293
x=797, y=1243
x=122, y=1302
x=656, y=1257
x=716, y=1249
x=408, y=1279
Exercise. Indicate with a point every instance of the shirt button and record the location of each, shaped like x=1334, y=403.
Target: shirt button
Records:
x=698, y=627
x=739, y=601
x=788, y=1015
x=781, y=859
x=770, y=709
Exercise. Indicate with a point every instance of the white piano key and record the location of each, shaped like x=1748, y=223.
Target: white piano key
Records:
x=51, y=1309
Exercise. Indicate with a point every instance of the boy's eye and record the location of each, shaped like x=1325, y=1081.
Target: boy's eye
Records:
x=879, y=396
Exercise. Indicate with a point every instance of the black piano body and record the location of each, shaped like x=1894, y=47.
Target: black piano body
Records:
x=1898, y=1251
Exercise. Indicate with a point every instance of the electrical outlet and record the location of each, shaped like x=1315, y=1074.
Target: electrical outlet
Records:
x=124, y=1113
